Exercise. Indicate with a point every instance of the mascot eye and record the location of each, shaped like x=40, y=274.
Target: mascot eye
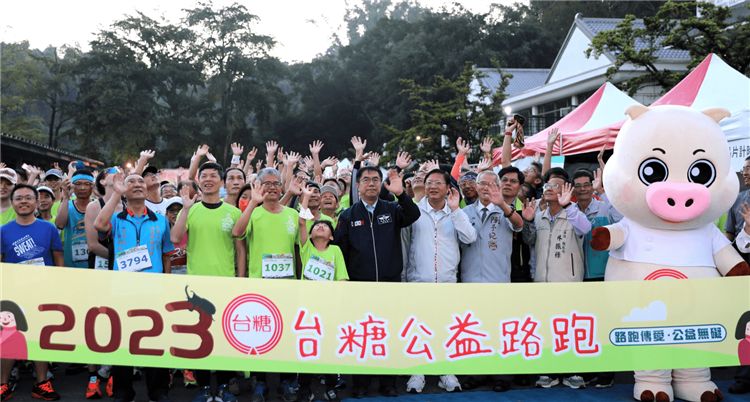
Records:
x=653, y=170
x=702, y=172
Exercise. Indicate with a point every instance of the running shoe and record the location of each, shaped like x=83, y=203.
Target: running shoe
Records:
x=415, y=384
x=92, y=390
x=43, y=390
x=449, y=383
x=6, y=392
x=189, y=379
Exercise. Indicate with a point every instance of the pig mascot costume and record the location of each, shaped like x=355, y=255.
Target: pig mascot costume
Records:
x=670, y=177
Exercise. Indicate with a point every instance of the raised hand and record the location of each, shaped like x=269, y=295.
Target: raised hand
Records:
x=566, y=195
x=306, y=192
x=374, y=159
x=202, y=151
x=259, y=165
x=271, y=147
x=496, y=194
x=597, y=184
x=537, y=156
x=259, y=192
x=237, y=149
x=71, y=168
x=600, y=157
x=147, y=154
x=180, y=172
x=486, y=146
x=552, y=136
x=358, y=144
x=187, y=202
x=396, y=186
x=484, y=164
x=67, y=188
x=211, y=157
x=315, y=147
x=463, y=147
x=295, y=187
x=251, y=155
x=280, y=155
x=431, y=165
x=529, y=209
x=293, y=157
x=54, y=165
x=330, y=161
x=119, y=183
x=453, y=199
x=309, y=162
x=403, y=160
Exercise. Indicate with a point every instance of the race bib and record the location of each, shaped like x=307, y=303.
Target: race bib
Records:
x=179, y=269
x=35, y=261
x=80, y=251
x=277, y=266
x=318, y=269
x=101, y=263
x=134, y=259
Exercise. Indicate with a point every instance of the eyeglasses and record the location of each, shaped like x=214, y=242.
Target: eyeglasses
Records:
x=529, y=169
x=507, y=180
x=149, y=175
x=468, y=183
x=27, y=198
x=434, y=183
x=271, y=184
x=580, y=186
x=169, y=191
x=746, y=169
x=551, y=185
x=484, y=183
x=368, y=180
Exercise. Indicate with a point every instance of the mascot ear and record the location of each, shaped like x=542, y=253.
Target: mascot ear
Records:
x=636, y=110
x=716, y=113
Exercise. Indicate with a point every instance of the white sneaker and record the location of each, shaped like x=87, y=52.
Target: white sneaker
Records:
x=574, y=382
x=415, y=383
x=449, y=383
x=104, y=371
x=546, y=382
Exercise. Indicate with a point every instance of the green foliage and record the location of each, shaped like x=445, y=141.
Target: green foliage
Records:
x=446, y=111
x=674, y=25
x=19, y=75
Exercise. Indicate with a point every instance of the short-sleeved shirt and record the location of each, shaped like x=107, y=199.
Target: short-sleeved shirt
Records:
x=735, y=222
x=158, y=207
x=330, y=257
x=210, y=247
x=150, y=229
x=179, y=257
x=7, y=216
x=19, y=243
x=76, y=247
x=271, y=234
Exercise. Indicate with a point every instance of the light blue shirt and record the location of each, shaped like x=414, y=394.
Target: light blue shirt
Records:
x=370, y=208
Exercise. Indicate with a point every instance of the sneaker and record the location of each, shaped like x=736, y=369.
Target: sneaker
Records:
x=260, y=392
x=104, y=371
x=92, y=390
x=286, y=392
x=7, y=392
x=546, y=382
x=449, y=383
x=224, y=395
x=44, y=391
x=189, y=379
x=332, y=395
x=415, y=384
x=110, y=388
x=306, y=395
x=341, y=384
x=204, y=395
x=603, y=382
x=137, y=376
x=234, y=386
x=575, y=382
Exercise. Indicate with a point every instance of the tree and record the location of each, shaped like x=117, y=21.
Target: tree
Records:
x=19, y=74
x=675, y=25
x=446, y=111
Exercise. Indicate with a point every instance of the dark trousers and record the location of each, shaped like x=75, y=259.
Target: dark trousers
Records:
x=222, y=377
x=305, y=380
x=364, y=381
x=743, y=374
x=157, y=382
x=261, y=376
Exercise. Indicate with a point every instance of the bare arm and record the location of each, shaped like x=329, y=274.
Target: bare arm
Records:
x=61, y=220
x=315, y=148
x=302, y=221
x=92, y=237
x=177, y=233
x=166, y=263
x=241, y=247
x=143, y=160
x=57, y=258
x=507, y=140
x=551, y=138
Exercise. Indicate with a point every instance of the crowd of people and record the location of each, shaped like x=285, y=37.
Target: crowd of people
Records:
x=289, y=217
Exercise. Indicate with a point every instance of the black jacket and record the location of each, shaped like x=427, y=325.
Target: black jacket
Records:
x=371, y=243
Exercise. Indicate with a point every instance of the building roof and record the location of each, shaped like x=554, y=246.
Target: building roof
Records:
x=523, y=79
x=11, y=141
x=592, y=26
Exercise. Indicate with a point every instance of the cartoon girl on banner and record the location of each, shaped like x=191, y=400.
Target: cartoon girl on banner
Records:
x=12, y=323
x=742, y=333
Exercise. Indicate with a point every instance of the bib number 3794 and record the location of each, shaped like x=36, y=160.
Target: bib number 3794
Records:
x=134, y=259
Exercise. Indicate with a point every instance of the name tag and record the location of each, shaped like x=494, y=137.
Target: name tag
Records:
x=277, y=266
x=134, y=259
x=318, y=269
x=35, y=261
x=80, y=251
x=101, y=263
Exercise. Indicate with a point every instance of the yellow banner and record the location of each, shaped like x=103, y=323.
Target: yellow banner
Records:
x=141, y=319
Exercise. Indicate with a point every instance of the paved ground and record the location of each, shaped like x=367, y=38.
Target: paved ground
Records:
x=73, y=387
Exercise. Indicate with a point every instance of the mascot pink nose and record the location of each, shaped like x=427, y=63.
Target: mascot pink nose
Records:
x=677, y=202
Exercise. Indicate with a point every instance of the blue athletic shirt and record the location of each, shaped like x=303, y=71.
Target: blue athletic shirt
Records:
x=130, y=231
x=75, y=233
x=19, y=243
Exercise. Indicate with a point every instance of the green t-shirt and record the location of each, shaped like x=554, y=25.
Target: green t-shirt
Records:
x=210, y=246
x=322, y=218
x=54, y=209
x=344, y=202
x=270, y=243
x=7, y=216
x=322, y=265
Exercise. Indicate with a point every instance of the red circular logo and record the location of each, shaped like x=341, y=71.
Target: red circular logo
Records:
x=252, y=324
x=665, y=273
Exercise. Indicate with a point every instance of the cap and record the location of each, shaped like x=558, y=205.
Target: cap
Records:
x=330, y=189
x=150, y=169
x=172, y=201
x=46, y=189
x=54, y=172
x=9, y=174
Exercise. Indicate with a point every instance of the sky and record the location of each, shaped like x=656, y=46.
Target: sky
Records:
x=59, y=22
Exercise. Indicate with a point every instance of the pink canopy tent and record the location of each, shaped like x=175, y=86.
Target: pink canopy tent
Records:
x=586, y=129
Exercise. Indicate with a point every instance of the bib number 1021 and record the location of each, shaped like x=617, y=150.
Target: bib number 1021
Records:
x=134, y=345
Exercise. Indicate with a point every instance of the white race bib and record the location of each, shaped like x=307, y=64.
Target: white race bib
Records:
x=134, y=259
x=179, y=269
x=277, y=266
x=80, y=251
x=101, y=263
x=35, y=261
x=318, y=269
